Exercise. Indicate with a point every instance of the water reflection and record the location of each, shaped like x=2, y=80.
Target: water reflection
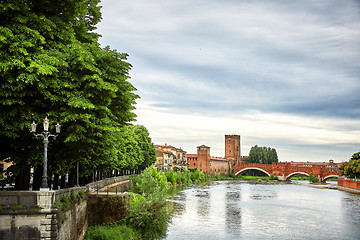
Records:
x=241, y=210
x=233, y=210
x=202, y=199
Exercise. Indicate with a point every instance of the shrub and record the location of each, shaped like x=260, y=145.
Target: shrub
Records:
x=148, y=212
x=195, y=176
x=16, y=206
x=313, y=179
x=232, y=175
x=171, y=177
x=110, y=232
x=273, y=177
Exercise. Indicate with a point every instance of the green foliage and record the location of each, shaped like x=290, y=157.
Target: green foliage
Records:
x=263, y=155
x=232, y=175
x=312, y=178
x=108, y=210
x=171, y=177
x=351, y=169
x=148, y=214
x=51, y=64
x=273, y=177
x=16, y=206
x=37, y=207
x=148, y=211
x=197, y=176
x=65, y=203
x=110, y=232
x=147, y=148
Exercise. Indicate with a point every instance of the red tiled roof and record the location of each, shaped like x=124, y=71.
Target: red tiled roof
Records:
x=171, y=147
x=163, y=151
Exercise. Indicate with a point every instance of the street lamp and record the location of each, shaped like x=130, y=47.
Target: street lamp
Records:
x=45, y=134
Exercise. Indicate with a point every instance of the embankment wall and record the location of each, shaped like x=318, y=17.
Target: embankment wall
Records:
x=349, y=185
x=32, y=214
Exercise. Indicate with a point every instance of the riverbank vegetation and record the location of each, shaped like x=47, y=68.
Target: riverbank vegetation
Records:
x=148, y=211
x=351, y=169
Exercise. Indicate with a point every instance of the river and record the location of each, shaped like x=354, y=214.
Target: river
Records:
x=238, y=209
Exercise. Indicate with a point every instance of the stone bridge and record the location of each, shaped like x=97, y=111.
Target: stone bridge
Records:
x=286, y=170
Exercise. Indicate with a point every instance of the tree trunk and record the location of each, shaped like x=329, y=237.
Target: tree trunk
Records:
x=37, y=177
x=22, y=180
x=72, y=178
x=63, y=182
x=56, y=182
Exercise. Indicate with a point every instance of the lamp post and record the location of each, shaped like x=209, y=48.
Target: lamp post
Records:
x=45, y=134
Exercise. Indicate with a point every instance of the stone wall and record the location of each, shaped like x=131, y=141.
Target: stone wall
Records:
x=107, y=208
x=76, y=223
x=32, y=215
x=28, y=215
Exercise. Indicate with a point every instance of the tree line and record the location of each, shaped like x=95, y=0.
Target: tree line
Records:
x=352, y=167
x=51, y=64
x=263, y=155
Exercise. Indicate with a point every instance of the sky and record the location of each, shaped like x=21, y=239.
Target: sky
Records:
x=282, y=74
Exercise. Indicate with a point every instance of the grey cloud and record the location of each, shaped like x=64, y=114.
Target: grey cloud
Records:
x=298, y=57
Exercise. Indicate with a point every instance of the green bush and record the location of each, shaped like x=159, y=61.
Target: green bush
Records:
x=313, y=179
x=148, y=208
x=64, y=203
x=171, y=177
x=16, y=206
x=149, y=218
x=232, y=175
x=110, y=232
x=273, y=177
x=194, y=176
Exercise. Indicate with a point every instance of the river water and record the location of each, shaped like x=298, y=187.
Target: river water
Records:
x=237, y=209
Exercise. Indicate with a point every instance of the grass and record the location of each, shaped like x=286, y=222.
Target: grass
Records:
x=111, y=231
x=254, y=177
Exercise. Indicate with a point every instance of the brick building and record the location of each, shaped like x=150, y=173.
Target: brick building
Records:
x=217, y=165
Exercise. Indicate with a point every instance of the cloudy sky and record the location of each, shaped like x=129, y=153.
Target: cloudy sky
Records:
x=283, y=74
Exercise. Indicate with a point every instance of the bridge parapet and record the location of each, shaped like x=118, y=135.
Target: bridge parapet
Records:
x=285, y=170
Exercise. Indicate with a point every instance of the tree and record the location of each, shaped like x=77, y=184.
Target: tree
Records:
x=51, y=64
x=147, y=148
x=352, y=168
x=313, y=178
x=264, y=155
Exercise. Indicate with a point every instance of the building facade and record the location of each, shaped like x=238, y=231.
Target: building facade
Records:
x=212, y=166
x=169, y=157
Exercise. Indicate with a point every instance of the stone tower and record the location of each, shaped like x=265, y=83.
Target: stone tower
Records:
x=203, y=158
x=232, y=148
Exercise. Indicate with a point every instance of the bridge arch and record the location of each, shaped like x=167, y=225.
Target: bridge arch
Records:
x=330, y=176
x=288, y=177
x=252, y=168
